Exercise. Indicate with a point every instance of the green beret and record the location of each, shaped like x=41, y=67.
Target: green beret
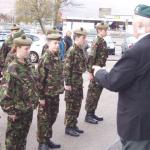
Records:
x=53, y=36
x=142, y=10
x=80, y=31
x=15, y=27
x=22, y=41
x=102, y=26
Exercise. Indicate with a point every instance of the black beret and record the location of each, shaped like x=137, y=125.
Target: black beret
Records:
x=142, y=10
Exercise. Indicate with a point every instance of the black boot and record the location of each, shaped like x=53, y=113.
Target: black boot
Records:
x=53, y=145
x=43, y=146
x=71, y=131
x=89, y=118
x=78, y=130
x=98, y=118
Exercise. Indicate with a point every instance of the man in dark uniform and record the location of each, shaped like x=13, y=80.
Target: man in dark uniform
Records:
x=74, y=66
x=131, y=78
x=51, y=84
x=97, y=56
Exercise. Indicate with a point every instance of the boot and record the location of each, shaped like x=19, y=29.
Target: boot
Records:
x=71, y=131
x=43, y=146
x=76, y=128
x=96, y=117
x=89, y=118
x=52, y=145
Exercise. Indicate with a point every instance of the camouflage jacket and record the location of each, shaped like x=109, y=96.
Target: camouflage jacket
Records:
x=98, y=53
x=7, y=45
x=20, y=93
x=10, y=57
x=74, y=66
x=3, y=54
x=50, y=75
x=10, y=39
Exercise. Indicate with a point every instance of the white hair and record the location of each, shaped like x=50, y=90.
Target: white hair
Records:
x=143, y=23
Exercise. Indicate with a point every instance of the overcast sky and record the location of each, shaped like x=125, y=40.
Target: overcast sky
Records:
x=90, y=8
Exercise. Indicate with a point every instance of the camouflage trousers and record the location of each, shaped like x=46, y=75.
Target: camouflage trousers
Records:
x=46, y=117
x=17, y=131
x=93, y=95
x=73, y=105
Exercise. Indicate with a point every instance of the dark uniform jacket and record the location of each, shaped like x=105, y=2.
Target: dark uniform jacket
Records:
x=131, y=78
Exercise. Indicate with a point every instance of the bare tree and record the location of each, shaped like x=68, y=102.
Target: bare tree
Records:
x=59, y=4
x=5, y=18
x=41, y=10
x=33, y=10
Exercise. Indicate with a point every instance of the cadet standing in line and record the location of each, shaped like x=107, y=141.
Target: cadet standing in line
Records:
x=50, y=31
x=74, y=67
x=51, y=84
x=20, y=97
x=8, y=44
x=97, y=56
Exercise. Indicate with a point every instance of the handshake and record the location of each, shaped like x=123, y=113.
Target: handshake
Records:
x=97, y=68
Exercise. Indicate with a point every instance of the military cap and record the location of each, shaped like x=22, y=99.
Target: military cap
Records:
x=22, y=41
x=102, y=26
x=142, y=10
x=52, y=30
x=15, y=27
x=54, y=36
x=80, y=31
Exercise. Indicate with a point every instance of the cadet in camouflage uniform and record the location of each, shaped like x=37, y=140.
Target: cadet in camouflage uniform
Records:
x=8, y=44
x=50, y=31
x=20, y=97
x=74, y=66
x=98, y=56
x=51, y=84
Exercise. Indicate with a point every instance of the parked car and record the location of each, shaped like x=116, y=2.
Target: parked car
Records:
x=128, y=42
x=3, y=37
x=36, y=47
x=110, y=45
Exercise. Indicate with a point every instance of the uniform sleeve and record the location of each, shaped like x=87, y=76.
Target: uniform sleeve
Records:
x=121, y=75
x=103, y=54
x=68, y=64
x=7, y=102
x=92, y=55
x=41, y=79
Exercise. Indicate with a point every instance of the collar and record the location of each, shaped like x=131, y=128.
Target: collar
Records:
x=142, y=36
x=77, y=46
